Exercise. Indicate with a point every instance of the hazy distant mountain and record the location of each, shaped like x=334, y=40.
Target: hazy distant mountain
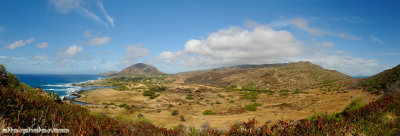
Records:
x=140, y=69
x=109, y=73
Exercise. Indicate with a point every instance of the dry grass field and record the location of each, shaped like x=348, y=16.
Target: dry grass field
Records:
x=183, y=104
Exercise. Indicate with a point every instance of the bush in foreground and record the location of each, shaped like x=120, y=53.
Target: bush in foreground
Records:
x=208, y=112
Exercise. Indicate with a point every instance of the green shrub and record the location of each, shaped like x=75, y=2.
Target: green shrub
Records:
x=252, y=107
x=157, y=88
x=182, y=118
x=119, y=86
x=218, y=102
x=284, y=94
x=189, y=97
x=170, y=105
x=208, y=112
x=297, y=91
x=231, y=101
x=123, y=105
x=354, y=105
x=175, y=112
x=54, y=96
x=148, y=93
x=152, y=94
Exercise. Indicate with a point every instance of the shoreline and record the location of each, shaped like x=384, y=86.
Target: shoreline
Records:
x=78, y=94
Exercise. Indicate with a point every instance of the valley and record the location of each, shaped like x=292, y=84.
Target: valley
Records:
x=176, y=102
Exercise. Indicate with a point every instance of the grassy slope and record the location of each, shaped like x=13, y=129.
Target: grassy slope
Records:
x=299, y=75
x=380, y=82
x=25, y=107
x=22, y=106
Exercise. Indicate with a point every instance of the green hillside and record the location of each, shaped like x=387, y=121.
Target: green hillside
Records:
x=384, y=82
x=23, y=106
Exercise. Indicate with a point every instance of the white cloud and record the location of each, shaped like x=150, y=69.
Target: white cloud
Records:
x=71, y=51
x=263, y=45
x=236, y=45
x=64, y=6
x=387, y=53
x=342, y=62
x=348, y=19
x=3, y=57
x=16, y=44
x=376, y=39
x=348, y=36
x=30, y=40
x=325, y=44
x=93, y=16
x=20, y=43
x=2, y=29
x=302, y=24
x=87, y=33
x=40, y=57
x=94, y=68
x=19, y=58
x=99, y=41
x=108, y=17
x=42, y=45
x=133, y=53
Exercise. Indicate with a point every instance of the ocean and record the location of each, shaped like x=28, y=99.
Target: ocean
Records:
x=360, y=76
x=59, y=83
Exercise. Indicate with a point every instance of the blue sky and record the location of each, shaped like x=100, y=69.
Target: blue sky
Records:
x=93, y=36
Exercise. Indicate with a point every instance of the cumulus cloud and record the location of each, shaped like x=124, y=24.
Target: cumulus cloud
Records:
x=342, y=62
x=42, y=45
x=236, y=45
x=16, y=44
x=40, y=57
x=30, y=40
x=99, y=41
x=71, y=51
x=72, y=55
x=325, y=44
x=376, y=39
x=261, y=44
x=3, y=57
x=134, y=52
x=348, y=36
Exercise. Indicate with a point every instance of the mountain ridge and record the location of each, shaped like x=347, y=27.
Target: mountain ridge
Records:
x=294, y=75
x=140, y=69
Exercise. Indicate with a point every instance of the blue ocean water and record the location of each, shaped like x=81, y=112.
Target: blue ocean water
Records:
x=59, y=83
x=360, y=76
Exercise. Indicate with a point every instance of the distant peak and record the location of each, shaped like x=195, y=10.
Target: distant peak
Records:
x=140, y=69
